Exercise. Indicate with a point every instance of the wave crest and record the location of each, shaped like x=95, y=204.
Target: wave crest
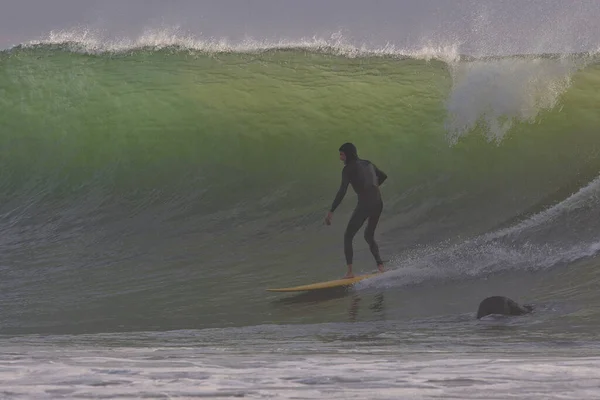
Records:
x=84, y=40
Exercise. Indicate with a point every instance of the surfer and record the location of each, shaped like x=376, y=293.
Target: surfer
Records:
x=365, y=179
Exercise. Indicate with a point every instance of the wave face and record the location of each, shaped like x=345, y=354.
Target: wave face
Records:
x=150, y=186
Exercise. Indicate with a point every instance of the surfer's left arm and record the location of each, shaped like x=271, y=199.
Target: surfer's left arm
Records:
x=340, y=195
x=381, y=176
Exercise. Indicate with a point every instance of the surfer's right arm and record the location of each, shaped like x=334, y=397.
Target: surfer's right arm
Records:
x=342, y=190
x=340, y=195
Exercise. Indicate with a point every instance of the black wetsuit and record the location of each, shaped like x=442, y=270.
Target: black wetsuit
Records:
x=365, y=179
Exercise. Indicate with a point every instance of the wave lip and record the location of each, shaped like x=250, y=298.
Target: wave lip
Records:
x=83, y=40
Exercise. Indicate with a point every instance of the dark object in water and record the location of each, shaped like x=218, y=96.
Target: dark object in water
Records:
x=503, y=306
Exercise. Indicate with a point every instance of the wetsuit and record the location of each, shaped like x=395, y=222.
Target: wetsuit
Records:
x=365, y=179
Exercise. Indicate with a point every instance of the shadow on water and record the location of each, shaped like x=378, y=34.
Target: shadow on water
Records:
x=376, y=306
x=315, y=296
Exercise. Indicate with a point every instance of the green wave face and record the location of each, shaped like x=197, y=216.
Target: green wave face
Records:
x=235, y=155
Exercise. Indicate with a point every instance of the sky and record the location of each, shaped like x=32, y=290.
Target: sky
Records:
x=477, y=26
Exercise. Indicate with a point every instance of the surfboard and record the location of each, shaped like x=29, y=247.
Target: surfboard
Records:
x=326, y=285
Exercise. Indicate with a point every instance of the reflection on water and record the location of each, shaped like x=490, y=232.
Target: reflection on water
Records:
x=375, y=303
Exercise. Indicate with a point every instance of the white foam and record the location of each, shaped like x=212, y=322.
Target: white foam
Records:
x=86, y=372
x=478, y=258
x=497, y=93
x=588, y=196
x=85, y=40
x=502, y=250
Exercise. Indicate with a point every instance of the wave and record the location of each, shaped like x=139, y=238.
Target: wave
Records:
x=143, y=175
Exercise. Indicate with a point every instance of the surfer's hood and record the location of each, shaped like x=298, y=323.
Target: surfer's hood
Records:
x=350, y=151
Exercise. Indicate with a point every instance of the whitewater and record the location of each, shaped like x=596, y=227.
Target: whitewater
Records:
x=153, y=188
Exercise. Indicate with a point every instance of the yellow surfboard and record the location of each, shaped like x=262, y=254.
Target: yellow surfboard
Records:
x=326, y=285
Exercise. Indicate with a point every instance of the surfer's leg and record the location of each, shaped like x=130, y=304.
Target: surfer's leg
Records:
x=370, y=235
x=356, y=221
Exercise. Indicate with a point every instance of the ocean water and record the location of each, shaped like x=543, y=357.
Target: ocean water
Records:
x=151, y=190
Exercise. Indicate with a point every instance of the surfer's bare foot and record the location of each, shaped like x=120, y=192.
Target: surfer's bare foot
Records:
x=380, y=268
x=349, y=274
